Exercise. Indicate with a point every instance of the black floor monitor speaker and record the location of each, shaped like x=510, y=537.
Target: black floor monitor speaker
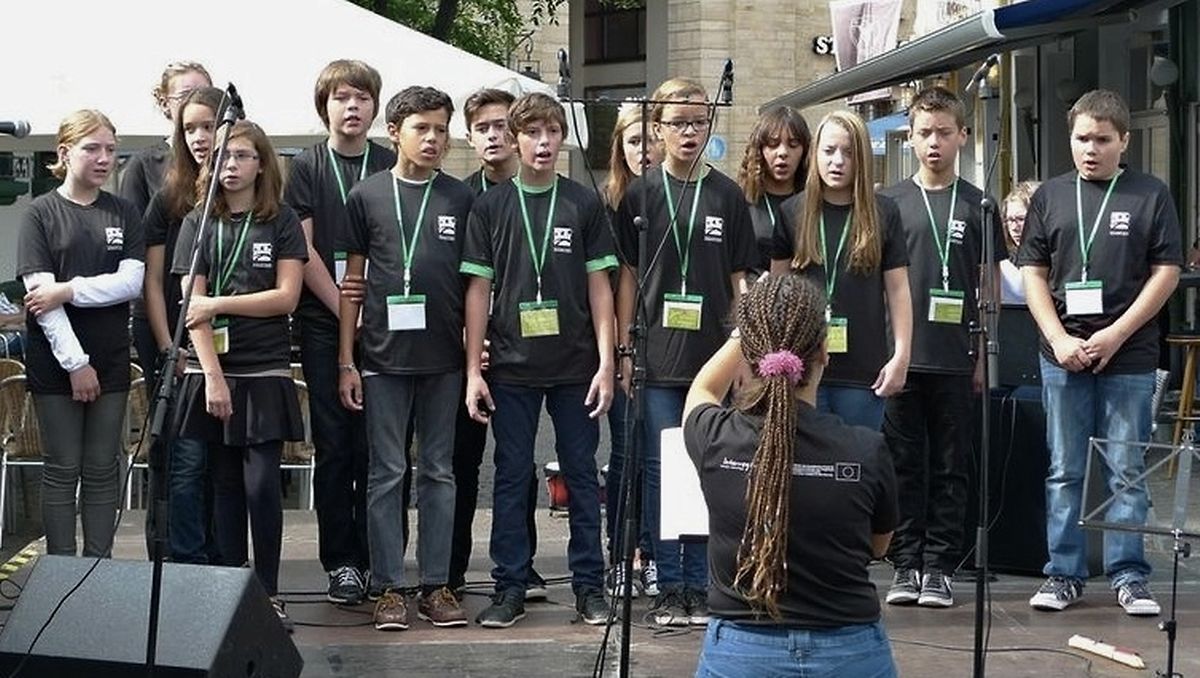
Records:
x=214, y=621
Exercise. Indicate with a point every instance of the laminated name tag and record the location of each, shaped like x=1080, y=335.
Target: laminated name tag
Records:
x=406, y=312
x=946, y=306
x=339, y=267
x=220, y=335
x=682, y=311
x=539, y=318
x=837, y=336
x=1085, y=298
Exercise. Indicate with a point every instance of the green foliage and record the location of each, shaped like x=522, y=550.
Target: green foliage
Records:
x=485, y=28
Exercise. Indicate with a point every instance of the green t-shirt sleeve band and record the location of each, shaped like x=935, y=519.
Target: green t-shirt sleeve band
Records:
x=602, y=263
x=477, y=270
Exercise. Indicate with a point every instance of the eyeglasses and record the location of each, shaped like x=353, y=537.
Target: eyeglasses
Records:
x=680, y=126
x=241, y=157
x=1015, y=219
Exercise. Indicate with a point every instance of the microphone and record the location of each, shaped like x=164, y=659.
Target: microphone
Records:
x=16, y=128
x=982, y=72
x=234, y=110
x=564, y=75
x=725, y=95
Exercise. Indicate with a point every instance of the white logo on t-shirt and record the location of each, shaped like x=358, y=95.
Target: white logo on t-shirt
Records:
x=958, y=229
x=260, y=255
x=114, y=238
x=714, y=229
x=446, y=227
x=562, y=239
x=1118, y=223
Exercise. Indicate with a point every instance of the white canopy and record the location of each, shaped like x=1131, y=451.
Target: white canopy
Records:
x=72, y=54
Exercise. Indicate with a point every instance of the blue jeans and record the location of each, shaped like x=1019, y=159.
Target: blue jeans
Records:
x=188, y=516
x=856, y=405
x=733, y=650
x=576, y=437
x=614, y=492
x=680, y=564
x=1109, y=406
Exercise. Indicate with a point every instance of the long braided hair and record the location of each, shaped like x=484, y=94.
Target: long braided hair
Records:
x=782, y=325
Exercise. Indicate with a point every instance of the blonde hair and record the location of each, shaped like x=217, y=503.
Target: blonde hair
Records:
x=619, y=174
x=866, y=247
x=173, y=69
x=1022, y=193
x=675, y=89
x=74, y=128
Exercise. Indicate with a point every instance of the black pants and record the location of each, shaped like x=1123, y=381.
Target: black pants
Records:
x=470, y=439
x=340, y=438
x=928, y=428
x=246, y=480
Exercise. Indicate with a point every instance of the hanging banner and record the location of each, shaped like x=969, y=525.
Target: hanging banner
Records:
x=863, y=29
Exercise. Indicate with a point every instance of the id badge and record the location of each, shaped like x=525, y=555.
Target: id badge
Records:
x=946, y=307
x=539, y=318
x=339, y=267
x=682, y=311
x=406, y=312
x=1085, y=298
x=837, y=336
x=220, y=335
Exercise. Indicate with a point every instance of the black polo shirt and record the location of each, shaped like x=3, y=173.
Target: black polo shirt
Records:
x=1139, y=228
x=67, y=239
x=478, y=182
x=843, y=491
x=312, y=191
x=722, y=244
x=141, y=178
x=497, y=248
x=861, y=299
x=162, y=230
x=764, y=214
x=374, y=231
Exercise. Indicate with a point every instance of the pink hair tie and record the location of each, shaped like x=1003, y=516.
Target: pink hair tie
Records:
x=782, y=363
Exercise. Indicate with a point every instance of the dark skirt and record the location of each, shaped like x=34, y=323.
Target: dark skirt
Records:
x=265, y=409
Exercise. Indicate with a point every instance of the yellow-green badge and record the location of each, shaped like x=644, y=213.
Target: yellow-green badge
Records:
x=838, y=335
x=406, y=312
x=539, y=318
x=220, y=335
x=1085, y=298
x=682, y=311
x=946, y=306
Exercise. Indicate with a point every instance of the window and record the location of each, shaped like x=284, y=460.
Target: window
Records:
x=613, y=31
x=601, y=119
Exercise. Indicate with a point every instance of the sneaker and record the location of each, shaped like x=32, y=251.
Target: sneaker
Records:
x=391, y=612
x=345, y=586
x=670, y=608
x=616, y=582
x=281, y=612
x=1137, y=599
x=697, y=606
x=1057, y=593
x=906, y=587
x=507, y=608
x=441, y=608
x=649, y=578
x=935, y=590
x=592, y=607
x=535, y=588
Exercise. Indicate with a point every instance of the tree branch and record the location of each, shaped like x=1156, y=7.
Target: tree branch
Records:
x=444, y=19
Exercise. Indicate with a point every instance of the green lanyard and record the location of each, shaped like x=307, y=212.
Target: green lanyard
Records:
x=539, y=260
x=943, y=248
x=683, y=248
x=770, y=212
x=483, y=180
x=337, y=173
x=407, y=250
x=222, y=279
x=1085, y=248
x=831, y=271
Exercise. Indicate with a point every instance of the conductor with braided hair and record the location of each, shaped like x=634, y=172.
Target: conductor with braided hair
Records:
x=798, y=502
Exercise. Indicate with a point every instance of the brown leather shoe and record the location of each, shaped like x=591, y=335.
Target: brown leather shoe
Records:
x=441, y=608
x=391, y=612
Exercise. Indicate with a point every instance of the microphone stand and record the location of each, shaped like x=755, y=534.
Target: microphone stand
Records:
x=986, y=350
x=162, y=437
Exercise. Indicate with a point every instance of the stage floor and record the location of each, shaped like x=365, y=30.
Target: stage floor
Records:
x=340, y=642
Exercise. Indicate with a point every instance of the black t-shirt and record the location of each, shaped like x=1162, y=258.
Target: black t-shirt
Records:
x=141, y=178
x=374, y=232
x=255, y=344
x=1140, y=229
x=497, y=248
x=861, y=299
x=940, y=347
x=67, y=239
x=722, y=244
x=479, y=183
x=162, y=230
x=843, y=491
x=312, y=191
x=764, y=214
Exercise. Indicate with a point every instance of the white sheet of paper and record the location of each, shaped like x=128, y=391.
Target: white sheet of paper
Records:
x=684, y=511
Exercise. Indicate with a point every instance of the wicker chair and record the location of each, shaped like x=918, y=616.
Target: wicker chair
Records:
x=20, y=438
x=10, y=367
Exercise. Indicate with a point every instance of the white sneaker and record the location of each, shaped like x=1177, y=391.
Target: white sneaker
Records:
x=1137, y=600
